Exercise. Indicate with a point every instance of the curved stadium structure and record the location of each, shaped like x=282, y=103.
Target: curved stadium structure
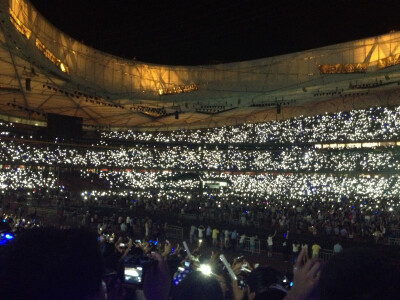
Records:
x=43, y=71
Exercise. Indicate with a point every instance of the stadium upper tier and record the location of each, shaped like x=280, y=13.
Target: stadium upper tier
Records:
x=44, y=71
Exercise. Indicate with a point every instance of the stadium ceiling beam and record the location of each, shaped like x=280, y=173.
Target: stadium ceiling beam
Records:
x=44, y=102
x=78, y=106
x=11, y=79
x=16, y=72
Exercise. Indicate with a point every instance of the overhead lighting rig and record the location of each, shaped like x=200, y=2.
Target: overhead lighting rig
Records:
x=213, y=109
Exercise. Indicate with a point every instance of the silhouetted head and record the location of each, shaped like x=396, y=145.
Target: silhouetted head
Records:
x=359, y=273
x=48, y=263
x=197, y=286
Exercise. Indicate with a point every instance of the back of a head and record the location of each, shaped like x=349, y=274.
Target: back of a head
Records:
x=47, y=263
x=197, y=286
x=272, y=294
x=359, y=273
x=266, y=282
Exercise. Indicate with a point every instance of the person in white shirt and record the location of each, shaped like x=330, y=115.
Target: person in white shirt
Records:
x=201, y=230
x=123, y=227
x=270, y=243
x=227, y=236
x=295, y=250
x=241, y=241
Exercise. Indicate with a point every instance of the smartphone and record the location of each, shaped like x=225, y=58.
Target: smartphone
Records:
x=133, y=274
x=122, y=245
x=239, y=258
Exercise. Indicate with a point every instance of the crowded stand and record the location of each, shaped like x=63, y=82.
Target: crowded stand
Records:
x=284, y=159
x=238, y=190
x=378, y=123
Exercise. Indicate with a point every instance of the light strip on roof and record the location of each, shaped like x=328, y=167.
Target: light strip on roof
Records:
x=343, y=68
x=389, y=61
x=18, y=25
x=178, y=89
x=46, y=52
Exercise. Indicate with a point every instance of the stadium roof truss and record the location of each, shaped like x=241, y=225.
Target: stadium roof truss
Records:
x=42, y=71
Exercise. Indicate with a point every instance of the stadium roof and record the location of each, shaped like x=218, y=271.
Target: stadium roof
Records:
x=43, y=70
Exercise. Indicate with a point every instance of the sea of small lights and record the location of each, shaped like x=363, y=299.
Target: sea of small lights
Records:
x=183, y=157
x=261, y=191
x=21, y=178
x=342, y=175
x=378, y=123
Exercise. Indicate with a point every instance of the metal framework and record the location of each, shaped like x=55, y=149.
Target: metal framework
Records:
x=106, y=90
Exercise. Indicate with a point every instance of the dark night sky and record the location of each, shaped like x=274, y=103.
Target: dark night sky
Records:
x=201, y=32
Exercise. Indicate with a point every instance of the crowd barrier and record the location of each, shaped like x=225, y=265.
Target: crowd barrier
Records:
x=246, y=246
x=394, y=241
x=325, y=254
x=175, y=233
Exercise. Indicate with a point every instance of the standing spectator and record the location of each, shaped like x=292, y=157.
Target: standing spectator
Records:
x=123, y=227
x=146, y=228
x=193, y=229
x=315, y=248
x=120, y=220
x=208, y=235
x=286, y=246
x=295, y=250
x=243, y=220
x=222, y=239
x=270, y=243
x=241, y=241
x=305, y=247
x=201, y=230
x=337, y=248
x=215, y=233
x=227, y=236
x=253, y=243
x=234, y=238
x=343, y=232
x=377, y=235
x=336, y=230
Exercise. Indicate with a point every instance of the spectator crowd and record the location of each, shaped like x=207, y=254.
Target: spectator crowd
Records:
x=333, y=175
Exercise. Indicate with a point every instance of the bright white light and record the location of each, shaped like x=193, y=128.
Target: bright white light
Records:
x=205, y=269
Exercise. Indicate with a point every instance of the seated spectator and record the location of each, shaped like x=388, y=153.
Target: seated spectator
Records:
x=46, y=263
